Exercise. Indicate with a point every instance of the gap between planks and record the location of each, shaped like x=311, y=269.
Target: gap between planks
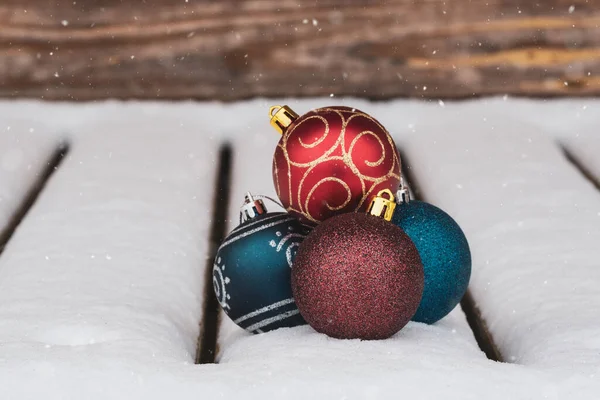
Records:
x=207, y=341
x=580, y=167
x=484, y=339
x=33, y=193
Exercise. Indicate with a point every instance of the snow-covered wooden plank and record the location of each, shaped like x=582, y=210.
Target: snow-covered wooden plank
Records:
x=26, y=149
x=111, y=259
x=533, y=223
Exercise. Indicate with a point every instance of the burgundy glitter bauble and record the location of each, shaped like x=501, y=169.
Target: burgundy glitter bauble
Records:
x=331, y=161
x=357, y=276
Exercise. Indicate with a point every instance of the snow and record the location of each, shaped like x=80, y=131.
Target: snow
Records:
x=101, y=285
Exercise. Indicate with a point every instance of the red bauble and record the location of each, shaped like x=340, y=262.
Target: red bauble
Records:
x=357, y=276
x=331, y=161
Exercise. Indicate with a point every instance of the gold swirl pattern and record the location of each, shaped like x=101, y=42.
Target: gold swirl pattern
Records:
x=369, y=163
x=334, y=160
x=320, y=140
x=332, y=208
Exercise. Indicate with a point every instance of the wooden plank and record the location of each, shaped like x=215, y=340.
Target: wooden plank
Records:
x=111, y=259
x=233, y=50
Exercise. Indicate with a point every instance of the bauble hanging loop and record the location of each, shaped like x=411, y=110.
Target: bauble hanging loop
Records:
x=403, y=194
x=381, y=206
x=252, y=208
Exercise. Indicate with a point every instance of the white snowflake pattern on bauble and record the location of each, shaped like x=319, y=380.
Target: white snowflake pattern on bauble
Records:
x=289, y=242
x=220, y=281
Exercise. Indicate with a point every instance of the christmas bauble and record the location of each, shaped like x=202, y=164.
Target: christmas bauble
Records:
x=445, y=254
x=331, y=160
x=251, y=272
x=357, y=276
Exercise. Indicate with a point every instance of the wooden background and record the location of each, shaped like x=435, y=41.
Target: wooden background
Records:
x=225, y=49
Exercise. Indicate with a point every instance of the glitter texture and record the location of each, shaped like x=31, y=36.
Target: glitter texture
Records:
x=445, y=254
x=357, y=276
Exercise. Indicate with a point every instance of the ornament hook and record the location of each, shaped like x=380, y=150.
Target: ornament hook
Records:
x=383, y=207
x=273, y=110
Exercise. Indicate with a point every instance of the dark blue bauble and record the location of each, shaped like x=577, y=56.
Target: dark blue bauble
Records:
x=445, y=254
x=252, y=272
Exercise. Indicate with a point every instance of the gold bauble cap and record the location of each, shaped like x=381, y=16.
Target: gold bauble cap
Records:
x=282, y=117
x=383, y=207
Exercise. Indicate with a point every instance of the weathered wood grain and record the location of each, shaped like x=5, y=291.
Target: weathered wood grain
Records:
x=202, y=49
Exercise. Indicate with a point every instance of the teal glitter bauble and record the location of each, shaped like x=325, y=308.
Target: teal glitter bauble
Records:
x=252, y=272
x=445, y=254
